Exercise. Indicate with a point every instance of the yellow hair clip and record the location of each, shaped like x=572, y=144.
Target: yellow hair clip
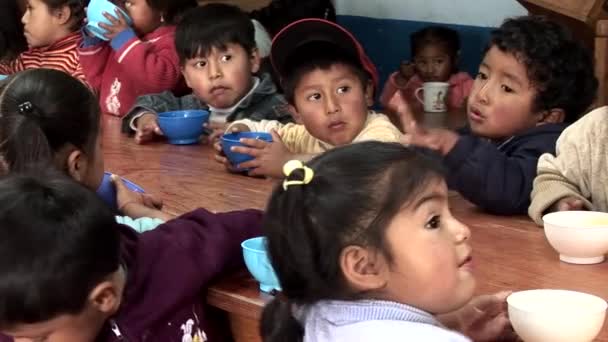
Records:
x=293, y=165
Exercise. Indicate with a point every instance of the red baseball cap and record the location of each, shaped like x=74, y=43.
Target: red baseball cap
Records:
x=309, y=30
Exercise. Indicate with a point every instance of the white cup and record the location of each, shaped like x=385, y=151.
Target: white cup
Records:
x=435, y=95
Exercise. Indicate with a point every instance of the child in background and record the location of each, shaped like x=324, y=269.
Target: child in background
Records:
x=435, y=51
x=534, y=78
x=219, y=59
x=365, y=248
x=69, y=272
x=49, y=118
x=576, y=176
x=52, y=32
x=138, y=60
x=12, y=39
x=329, y=82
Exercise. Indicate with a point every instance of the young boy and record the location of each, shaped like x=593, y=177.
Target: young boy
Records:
x=533, y=78
x=329, y=82
x=219, y=58
x=69, y=272
x=576, y=177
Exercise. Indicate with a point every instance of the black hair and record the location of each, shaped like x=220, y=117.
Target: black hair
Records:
x=77, y=10
x=280, y=13
x=213, y=26
x=42, y=111
x=355, y=192
x=172, y=10
x=57, y=242
x=317, y=55
x=12, y=40
x=557, y=64
x=441, y=35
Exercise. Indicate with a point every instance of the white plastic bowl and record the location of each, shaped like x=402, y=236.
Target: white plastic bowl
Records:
x=580, y=237
x=556, y=315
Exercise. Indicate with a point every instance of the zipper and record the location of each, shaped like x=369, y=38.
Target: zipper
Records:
x=116, y=331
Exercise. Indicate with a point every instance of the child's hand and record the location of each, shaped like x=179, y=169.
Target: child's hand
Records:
x=119, y=24
x=215, y=131
x=484, y=318
x=269, y=157
x=407, y=69
x=398, y=106
x=135, y=204
x=568, y=204
x=438, y=139
x=147, y=128
x=220, y=157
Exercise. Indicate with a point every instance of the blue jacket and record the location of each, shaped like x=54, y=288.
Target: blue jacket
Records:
x=498, y=176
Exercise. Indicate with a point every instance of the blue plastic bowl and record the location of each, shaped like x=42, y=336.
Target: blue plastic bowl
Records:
x=2, y=77
x=95, y=16
x=183, y=127
x=258, y=264
x=107, y=190
x=232, y=139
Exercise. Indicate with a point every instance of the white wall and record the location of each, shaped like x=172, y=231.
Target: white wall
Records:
x=488, y=13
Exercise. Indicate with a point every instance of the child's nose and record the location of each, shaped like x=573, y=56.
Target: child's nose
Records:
x=482, y=94
x=215, y=71
x=332, y=105
x=461, y=231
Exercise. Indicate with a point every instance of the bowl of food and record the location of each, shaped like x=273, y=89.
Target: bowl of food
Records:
x=183, y=127
x=556, y=315
x=580, y=237
x=107, y=190
x=258, y=264
x=230, y=140
x=95, y=16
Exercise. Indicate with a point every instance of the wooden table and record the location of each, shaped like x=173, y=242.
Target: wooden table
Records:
x=510, y=253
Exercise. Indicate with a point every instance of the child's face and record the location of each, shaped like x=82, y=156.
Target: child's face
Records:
x=62, y=328
x=501, y=100
x=40, y=24
x=223, y=77
x=332, y=104
x=433, y=63
x=145, y=19
x=87, y=167
x=431, y=267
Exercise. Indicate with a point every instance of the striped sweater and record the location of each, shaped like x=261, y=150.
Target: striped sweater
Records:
x=128, y=67
x=62, y=55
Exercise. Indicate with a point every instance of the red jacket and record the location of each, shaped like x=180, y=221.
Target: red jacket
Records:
x=61, y=55
x=128, y=67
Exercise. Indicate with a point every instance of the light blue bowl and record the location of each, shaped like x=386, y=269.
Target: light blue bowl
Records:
x=107, y=190
x=183, y=127
x=3, y=77
x=232, y=139
x=95, y=16
x=258, y=264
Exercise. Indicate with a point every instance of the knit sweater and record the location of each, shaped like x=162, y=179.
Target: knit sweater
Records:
x=371, y=320
x=579, y=167
x=298, y=140
x=61, y=55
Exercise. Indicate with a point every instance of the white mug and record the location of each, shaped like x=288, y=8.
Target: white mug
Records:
x=435, y=95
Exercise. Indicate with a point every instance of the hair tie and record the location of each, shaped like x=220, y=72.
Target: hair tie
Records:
x=293, y=165
x=26, y=107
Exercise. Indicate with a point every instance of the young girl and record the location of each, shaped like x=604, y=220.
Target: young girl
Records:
x=12, y=40
x=435, y=50
x=370, y=252
x=49, y=118
x=51, y=30
x=137, y=60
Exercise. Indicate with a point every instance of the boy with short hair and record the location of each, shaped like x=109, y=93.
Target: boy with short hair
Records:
x=329, y=83
x=219, y=59
x=535, y=77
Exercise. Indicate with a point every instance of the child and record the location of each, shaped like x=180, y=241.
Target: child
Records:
x=365, y=248
x=49, y=118
x=219, y=58
x=12, y=39
x=533, y=78
x=329, y=82
x=52, y=32
x=137, y=60
x=575, y=178
x=435, y=50
x=69, y=272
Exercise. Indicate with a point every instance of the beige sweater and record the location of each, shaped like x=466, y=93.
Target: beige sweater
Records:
x=579, y=168
x=299, y=141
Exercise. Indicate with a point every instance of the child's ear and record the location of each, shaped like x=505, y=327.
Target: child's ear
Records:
x=255, y=59
x=296, y=116
x=76, y=164
x=369, y=93
x=554, y=115
x=107, y=295
x=363, y=269
x=62, y=15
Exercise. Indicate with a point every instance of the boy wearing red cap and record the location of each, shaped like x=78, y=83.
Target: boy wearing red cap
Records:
x=329, y=83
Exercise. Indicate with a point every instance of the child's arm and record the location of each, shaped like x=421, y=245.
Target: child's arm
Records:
x=158, y=103
x=13, y=66
x=94, y=54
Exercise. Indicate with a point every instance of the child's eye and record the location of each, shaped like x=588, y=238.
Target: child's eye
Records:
x=481, y=76
x=506, y=89
x=343, y=90
x=226, y=58
x=314, y=97
x=200, y=64
x=433, y=223
x=439, y=61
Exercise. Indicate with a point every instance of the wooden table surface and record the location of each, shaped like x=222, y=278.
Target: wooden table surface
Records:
x=510, y=253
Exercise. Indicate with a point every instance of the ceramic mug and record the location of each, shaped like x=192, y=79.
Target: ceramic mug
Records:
x=434, y=96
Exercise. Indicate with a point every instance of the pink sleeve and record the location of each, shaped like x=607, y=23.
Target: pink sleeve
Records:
x=93, y=61
x=154, y=64
x=390, y=87
x=11, y=67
